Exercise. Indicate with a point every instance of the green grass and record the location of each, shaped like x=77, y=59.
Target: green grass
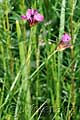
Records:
x=39, y=82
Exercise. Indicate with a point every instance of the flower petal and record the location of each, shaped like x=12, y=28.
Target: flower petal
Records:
x=34, y=12
x=38, y=17
x=24, y=17
x=30, y=12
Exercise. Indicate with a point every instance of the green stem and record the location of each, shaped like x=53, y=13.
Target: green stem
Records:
x=60, y=56
x=38, y=110
x=31, y=76
x=25, y=74
x=72, y=57
x=37, y=81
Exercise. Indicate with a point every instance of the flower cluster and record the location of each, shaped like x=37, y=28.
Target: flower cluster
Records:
x=33, y=17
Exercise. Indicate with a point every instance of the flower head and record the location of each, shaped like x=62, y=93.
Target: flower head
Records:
x=33, y=17
x=64, y=43
x=65, y=38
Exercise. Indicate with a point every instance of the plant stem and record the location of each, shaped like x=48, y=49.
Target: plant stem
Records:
x=72, y=57
x=8, y=45
x=25, y=74
x=60, y=56
x=42, y=64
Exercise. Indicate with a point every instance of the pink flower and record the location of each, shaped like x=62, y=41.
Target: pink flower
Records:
x=64, y=43
x=33, y=17
x=65, y=38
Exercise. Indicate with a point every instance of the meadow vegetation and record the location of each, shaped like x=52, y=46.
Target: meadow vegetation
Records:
x=39, y=75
